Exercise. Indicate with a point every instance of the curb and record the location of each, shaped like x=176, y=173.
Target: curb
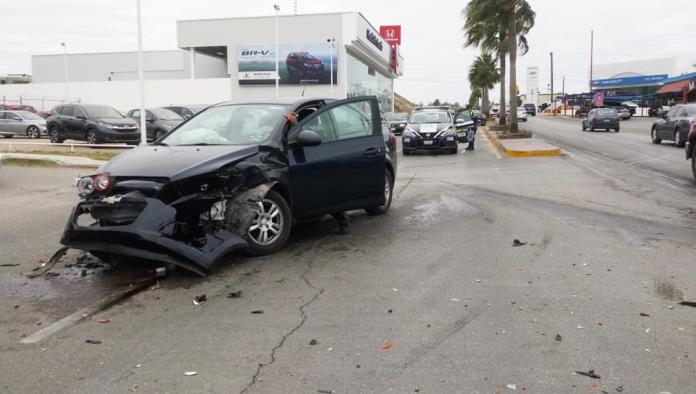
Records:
x=520, y=153
x=10, y=159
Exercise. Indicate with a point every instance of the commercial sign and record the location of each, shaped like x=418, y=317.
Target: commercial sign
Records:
x=298, y=64
x=373, y=40
x=629, y=81
x=598, y=99
x=391, y=33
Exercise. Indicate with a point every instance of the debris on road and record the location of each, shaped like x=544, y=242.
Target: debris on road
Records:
x=478, y=280
x=511, y=386
x=9, y=265
x=325, y=391
x=517, y=243
x=47, y=266
x=688, y=303
x=51, y=274
x=644, y=314
x=620, y=389
x=580, y=327
x=390, y=311
x=198, y=300
x=313, y=342
x=236, y=294
x=104, y=321
x=191, y=373
x=259, y=312
x=387, y=346
x=93, y=342
x=559, y=338
x=590, y=374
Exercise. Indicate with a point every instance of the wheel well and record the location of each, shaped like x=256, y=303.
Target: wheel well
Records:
x=390, y=168
x=283, y=191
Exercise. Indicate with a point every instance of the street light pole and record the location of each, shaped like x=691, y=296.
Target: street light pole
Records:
x=277, y=59
x=141, y=80
x=331, y=42
x=65, y=68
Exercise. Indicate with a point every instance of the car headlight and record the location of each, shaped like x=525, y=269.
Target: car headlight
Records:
x=96, y=183
x=409, y=132
x=85, y=186
x=102, y=124
x=449, y=132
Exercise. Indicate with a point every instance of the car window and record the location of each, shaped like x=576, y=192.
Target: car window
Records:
x=136, y=114
x=2, y=114
x=249, y=124
x=353, y=120
x=79, y=112
x=322, y=126
x=101, y=111
x=164, y=114
x=429, y=117
x=67, y=110
x=608, y=112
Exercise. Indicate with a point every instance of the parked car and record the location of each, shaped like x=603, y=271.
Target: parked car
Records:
x=601, y=118
x=674, y=125
x=630, y=106
x=92, y=123
x=397, y=121
x=623, y=112
x=521, y=114
x=530, y=108
x=20, y=107
x=27, y=123
x=211, y=187
x=303, y=64
x=186, y=111
x=691, y=148
x=159, y=121
x=431, y=129
x=479, y=117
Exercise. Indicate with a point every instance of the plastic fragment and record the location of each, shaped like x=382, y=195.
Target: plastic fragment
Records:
x=387, y=346
x=516, y=242
x=236, y=294
x=191, y=373
x=93, y=342
x=313, y=342
x=559, y=338
x=104, y=321
x=590, y=374
x=198, y=300
x=511, y=386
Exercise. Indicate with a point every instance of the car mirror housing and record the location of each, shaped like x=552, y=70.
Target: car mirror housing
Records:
x=308, y=137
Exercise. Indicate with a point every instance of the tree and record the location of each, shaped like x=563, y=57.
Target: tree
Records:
x=500, y=26
x=484, y=75
x=475, y=96
x=436, y=103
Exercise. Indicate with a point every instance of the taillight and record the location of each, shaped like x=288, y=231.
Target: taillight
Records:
x=102, y=182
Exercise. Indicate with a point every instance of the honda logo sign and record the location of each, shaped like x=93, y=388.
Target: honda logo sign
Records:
x=391, y=33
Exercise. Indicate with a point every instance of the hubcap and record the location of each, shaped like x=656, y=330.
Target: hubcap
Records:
x=54, y=135
x=267, y=224
x=33, y=132
x=387, y=190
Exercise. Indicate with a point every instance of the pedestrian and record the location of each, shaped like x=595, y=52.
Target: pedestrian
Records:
x=471, y=133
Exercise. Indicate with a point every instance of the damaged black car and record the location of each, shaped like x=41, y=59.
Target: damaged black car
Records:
x=235, y=177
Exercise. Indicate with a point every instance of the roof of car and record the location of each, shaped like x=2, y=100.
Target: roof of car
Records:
x=276, y=100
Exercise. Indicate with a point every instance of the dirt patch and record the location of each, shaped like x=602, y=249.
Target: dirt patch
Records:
x=668, y=290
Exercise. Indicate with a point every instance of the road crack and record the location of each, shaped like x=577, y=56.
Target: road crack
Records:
x=303, y=320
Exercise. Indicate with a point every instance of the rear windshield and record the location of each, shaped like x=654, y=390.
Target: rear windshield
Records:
x=608, y=112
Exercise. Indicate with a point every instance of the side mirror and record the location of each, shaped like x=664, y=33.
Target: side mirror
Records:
x=308, y=137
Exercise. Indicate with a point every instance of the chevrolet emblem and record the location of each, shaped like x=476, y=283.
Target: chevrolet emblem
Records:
x=111, y=200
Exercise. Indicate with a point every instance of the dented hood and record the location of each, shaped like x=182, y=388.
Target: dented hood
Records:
x=176, y=162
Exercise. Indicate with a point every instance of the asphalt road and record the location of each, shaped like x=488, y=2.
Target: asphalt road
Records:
x=431, y=297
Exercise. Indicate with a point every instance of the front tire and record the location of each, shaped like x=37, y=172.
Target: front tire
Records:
x=388, y=193
x=33, y=132
x=653, y=136
x=92, y=138
x=270, y=227
x=54, y=135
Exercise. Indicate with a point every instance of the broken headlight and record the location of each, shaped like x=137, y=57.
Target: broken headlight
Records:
x=96, y=183
x=85, y=186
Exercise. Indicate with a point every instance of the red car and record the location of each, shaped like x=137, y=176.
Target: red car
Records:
x=302, y=65
x=9, y=107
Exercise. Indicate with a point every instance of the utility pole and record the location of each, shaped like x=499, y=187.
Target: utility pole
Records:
x=564, y=98
x=591, y=57
x=553, y=103
x=141, y=81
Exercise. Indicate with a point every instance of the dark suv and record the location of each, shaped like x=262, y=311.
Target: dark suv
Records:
x=236, y=176
x=530, y=108
x=158, y=121
x=92, y=123
x=303, y=64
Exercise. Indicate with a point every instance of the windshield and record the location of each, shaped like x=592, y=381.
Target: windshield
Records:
x=102, y=112
x=28, y=115
x=430, y=117
x=307, y=56
x=165, y=114
x=606, y=112
x=397, y=117
x=229, y=125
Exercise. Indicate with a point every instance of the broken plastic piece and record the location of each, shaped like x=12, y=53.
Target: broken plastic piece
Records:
x=644, y=314
x=93, y=342
x=516, y=242
x=313, y=342
x=236, y=294
x=387, y=346
x=259, y=312
x=559, y=338
x=590, y=374
x=191, y=373
x=512, y=386
x=104, y=321
x=198, y=300
x=688, y=303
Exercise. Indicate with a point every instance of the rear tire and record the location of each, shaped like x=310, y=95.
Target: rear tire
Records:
x=653, y=136
x=54, y=135
x=388, y=193
x=273, y=200
x=33, y=132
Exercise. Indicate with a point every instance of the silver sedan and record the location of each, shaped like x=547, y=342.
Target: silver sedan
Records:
x=21, y=123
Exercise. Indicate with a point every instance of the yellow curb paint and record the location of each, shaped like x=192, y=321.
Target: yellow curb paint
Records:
x=521, y=153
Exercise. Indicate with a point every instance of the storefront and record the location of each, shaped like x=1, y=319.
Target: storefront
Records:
x=639, y=89
x=324, y=55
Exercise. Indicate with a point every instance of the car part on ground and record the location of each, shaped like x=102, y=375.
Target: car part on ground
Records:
x=213, y=187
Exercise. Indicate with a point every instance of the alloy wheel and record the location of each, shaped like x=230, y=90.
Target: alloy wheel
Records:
x=55, y=138
x=267, y=225
x=91, y=138
x=34, y=132
x=387, y=190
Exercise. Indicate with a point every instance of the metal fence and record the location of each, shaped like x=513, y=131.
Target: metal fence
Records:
x=40, y=103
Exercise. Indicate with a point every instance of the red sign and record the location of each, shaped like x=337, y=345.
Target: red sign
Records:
x=391, y=33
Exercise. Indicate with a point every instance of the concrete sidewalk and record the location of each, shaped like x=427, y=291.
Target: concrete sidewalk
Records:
x=60, y=160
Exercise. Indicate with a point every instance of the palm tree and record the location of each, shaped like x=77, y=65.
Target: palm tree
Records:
x=486, y=27
x=475, y=96
x=500, y=26
x=484, y=75
x=520, y=22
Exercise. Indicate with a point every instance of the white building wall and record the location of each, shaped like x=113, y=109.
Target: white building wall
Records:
x=123, y=66
x=235, y=32
x=122, y=95
x=636, y=68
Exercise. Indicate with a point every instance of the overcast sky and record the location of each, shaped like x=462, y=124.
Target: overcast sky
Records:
x=436, y=63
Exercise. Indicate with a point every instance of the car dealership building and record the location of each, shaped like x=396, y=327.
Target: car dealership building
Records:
x=329, y=55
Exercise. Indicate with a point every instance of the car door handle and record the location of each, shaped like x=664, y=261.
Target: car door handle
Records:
x=372, y=152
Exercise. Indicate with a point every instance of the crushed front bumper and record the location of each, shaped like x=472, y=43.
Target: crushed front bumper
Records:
x=145, y=228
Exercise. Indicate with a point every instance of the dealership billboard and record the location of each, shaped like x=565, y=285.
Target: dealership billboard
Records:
x=298, y=64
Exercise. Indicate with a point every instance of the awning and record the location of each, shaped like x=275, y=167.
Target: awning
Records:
x=674, y=87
